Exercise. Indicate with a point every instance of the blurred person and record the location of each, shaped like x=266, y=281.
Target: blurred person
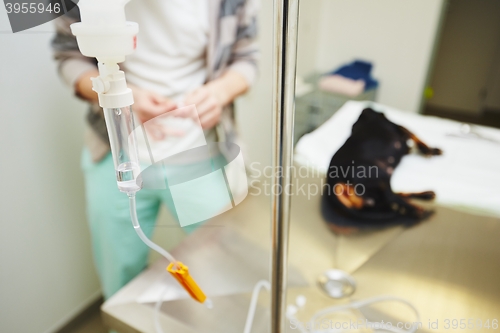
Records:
x=200, y=52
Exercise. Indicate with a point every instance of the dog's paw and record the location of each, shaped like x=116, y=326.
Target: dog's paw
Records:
x=427, y=195
x=428, y=151
x=433, y=152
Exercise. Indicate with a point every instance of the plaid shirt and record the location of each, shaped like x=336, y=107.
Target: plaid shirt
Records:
x=231, y=46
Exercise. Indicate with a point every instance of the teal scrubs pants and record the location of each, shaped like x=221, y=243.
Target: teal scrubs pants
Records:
x=119, y=254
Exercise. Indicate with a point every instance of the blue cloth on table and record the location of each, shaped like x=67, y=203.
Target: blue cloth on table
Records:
x=358, y=70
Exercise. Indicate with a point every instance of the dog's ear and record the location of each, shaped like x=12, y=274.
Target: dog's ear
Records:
x=368, y=112
x=347, y=196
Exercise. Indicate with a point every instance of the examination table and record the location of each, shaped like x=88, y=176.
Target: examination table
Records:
x=447, y=267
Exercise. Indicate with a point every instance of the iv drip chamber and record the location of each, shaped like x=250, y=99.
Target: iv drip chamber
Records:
x=120, y=123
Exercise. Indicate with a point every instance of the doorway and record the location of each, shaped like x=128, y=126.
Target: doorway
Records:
x=465, y=81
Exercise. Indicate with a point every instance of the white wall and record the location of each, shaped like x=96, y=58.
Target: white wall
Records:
x=397, y=36
x=46, y=270
x=309, y=36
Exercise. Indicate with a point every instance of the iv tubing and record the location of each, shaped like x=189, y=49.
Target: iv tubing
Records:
x=170, y=258
x=158, y=305
x=142, y=236
x=357, y=305
x=364, y=303
x=253, y=303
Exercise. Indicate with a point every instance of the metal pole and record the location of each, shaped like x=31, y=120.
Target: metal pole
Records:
x=286, y=15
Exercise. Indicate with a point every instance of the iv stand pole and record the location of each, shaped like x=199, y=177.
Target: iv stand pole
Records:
x=286, y=14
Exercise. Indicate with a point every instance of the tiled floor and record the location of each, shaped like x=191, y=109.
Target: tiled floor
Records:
x=92, y=324
x=87, y=322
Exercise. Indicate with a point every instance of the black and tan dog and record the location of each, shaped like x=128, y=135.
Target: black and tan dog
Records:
x=358, y=192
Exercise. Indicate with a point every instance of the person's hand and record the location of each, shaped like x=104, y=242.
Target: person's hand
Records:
x=208, y=104
x=148, y=104
x=213, y=96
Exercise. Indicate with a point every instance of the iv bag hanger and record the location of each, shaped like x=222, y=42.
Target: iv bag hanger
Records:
x=286, y=15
